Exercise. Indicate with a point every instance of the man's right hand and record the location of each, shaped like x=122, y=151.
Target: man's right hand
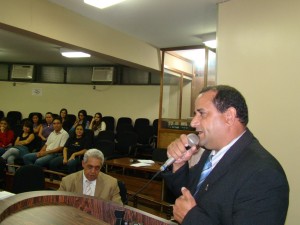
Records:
x=65, y=161
x=177, y=150
x=41, y=154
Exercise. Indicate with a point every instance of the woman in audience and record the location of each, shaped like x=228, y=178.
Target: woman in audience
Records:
x=46, y=128
x=23, y=145
x=76, y=146
x=65, y=121
x=81, y=119
x=6, y=136
x=37, y=124
x=97, y=125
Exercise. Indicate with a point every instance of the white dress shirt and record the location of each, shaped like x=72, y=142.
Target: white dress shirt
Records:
x=85, y=185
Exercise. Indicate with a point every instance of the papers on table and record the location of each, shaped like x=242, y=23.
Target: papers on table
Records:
x=148, y=161
x=5, y=194
x=143, y=162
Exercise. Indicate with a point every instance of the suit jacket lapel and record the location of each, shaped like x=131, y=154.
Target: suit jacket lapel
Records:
x=79, y=182
x=98, y=183
x=227, y=161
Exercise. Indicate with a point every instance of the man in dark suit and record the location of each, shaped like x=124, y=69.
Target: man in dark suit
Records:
x=90, y=181
x=236, y=180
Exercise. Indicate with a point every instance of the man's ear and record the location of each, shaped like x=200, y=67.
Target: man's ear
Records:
x=230, y=115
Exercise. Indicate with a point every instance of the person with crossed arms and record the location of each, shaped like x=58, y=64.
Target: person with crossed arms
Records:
x=236, y=181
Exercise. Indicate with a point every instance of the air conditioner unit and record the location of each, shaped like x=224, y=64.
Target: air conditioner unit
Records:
x=22, y=72
x=103, y=74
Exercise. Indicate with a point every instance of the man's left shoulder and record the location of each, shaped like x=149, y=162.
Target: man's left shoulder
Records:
x=64, y=133
x=107, y=177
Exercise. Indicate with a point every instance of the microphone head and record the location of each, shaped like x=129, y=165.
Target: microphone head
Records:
x=193, y=139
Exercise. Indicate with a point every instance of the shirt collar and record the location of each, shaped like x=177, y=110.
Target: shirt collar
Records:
x=59, y=132
x=217, y=155
x=85, y=179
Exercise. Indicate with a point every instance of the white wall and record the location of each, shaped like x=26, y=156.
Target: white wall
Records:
x=113, y=100
x=258, y=52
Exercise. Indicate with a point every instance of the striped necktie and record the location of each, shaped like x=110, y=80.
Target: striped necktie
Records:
x=205, y=172
x=88, y=188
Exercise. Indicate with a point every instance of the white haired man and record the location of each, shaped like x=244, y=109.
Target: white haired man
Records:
x=90, y=181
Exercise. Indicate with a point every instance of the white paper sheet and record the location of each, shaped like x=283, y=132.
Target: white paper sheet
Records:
x=140, y=164
x=148, y=161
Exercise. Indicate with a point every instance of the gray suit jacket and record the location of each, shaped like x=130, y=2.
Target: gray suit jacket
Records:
x=247, y=187
x=106, y=186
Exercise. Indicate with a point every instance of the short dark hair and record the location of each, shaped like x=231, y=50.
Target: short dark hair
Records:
x=50, y=113
x=226, y=97
x=58, y=118
x=28, y=123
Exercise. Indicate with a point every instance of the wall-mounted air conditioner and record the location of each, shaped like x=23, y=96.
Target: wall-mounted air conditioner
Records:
x=22, y=72
x=103, y=74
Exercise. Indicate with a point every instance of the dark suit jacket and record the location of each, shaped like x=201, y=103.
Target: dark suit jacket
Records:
x=106, y=186
x=247, y=187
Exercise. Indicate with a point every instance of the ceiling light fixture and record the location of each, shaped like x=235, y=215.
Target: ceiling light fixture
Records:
x=73, y=54
x=102, y=3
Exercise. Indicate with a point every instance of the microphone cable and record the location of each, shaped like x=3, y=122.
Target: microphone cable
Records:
x=144, y=186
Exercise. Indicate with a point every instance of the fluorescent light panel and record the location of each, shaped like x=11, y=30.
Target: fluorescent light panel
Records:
x=73, y=54
x=102, y=3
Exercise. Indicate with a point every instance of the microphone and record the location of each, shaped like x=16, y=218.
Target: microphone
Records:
x=193, y=140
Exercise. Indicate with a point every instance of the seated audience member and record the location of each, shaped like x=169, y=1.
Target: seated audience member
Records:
x=51, y=149
x=76, y=146
x=81, y=119
x=37, y=124
x=46, y=128
x=23, y=145
x=91, y=181
x=6, y=136
x=97, y=125
x=64, y=118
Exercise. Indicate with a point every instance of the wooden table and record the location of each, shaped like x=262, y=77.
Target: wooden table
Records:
x=153, y=192
x=127, y=164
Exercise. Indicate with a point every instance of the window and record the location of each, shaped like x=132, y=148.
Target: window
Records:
x=52, y=74
x=3, y=72
x=79, y=75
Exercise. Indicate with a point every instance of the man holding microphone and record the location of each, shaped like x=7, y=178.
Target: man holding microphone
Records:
x=236, y=180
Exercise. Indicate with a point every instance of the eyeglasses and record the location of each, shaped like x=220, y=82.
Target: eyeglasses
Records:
x=97, y=168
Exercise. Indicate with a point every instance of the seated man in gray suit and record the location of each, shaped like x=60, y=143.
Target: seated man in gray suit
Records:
x=90, y=181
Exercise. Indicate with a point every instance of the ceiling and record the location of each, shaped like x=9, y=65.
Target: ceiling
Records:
x=161, y=23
